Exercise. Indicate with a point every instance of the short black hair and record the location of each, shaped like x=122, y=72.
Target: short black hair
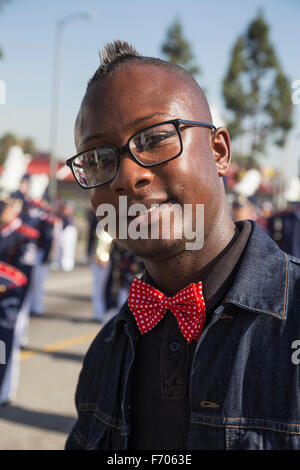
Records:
x=118, y=53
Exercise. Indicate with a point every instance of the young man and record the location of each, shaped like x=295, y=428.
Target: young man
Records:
x=216, y=366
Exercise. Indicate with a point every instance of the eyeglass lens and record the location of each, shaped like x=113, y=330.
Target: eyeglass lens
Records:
x=150, y=146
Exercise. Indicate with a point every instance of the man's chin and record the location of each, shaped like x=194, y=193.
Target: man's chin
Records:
x=153, y=249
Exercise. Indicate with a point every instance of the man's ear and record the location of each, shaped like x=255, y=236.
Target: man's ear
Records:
x=221, y=149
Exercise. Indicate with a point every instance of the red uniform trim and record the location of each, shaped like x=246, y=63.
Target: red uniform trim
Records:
x=28, y=231
x=12, y=274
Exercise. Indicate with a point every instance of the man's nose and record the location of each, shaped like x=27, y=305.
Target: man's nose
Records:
x=130, y=176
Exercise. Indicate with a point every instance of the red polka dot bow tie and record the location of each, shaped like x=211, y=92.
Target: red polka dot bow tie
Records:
x=149, y=305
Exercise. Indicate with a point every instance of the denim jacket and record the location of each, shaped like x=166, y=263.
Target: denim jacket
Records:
x=245, y=377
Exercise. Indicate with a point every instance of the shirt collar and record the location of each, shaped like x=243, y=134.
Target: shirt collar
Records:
x=218, y=275
x=260, y=284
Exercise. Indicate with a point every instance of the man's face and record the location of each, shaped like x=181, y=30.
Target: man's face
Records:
x=130, y=99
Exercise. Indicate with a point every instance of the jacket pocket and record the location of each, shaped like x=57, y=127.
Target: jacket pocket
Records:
x=262, y=434
x=95, y=430
x=105, y=433
x=220, y=433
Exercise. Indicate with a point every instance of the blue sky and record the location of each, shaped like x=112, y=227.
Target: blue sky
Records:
x=27, y=30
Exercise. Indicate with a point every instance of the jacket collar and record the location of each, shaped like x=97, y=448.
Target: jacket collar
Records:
x=261, y=283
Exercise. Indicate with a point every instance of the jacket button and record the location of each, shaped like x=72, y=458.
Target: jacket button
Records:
x=174, y=346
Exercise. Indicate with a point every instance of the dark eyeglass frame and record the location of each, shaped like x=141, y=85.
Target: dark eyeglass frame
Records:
x=126, y=148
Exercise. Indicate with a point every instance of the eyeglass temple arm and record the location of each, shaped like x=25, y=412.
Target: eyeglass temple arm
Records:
x=198, y=123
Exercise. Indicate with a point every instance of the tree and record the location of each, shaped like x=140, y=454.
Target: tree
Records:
x=2, y=2
x=28, y=146
x=9, y=139
x=177, y=50
x=256, y=91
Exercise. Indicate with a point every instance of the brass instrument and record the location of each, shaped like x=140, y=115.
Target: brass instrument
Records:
x=103, y=247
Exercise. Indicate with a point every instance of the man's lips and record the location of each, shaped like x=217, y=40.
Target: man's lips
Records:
x=142, y=207
x=152, y=213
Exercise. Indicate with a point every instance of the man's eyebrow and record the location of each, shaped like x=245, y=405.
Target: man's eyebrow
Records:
x=133, y=123
x=92, y=137
x=142, y=119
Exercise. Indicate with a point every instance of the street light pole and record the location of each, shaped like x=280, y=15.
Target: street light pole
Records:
x=55, y=97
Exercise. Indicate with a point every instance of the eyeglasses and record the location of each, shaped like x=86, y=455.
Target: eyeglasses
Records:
x=149, y=147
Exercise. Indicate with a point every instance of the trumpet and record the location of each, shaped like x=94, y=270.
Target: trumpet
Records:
x=103, y=247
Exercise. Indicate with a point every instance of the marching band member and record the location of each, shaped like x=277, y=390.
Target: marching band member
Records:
x=12, y=285
x=18, y=248
x=98, y=252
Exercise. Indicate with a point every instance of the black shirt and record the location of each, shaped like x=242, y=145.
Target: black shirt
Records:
x=161, y=372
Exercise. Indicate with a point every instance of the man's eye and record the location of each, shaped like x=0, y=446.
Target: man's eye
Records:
x=90, y=161
x=87, y=161
x=105, y=160
x=157, y=138
x=98, y=159
x=149, y=141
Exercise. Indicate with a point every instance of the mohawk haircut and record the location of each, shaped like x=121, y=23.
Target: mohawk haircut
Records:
x=117, y=54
